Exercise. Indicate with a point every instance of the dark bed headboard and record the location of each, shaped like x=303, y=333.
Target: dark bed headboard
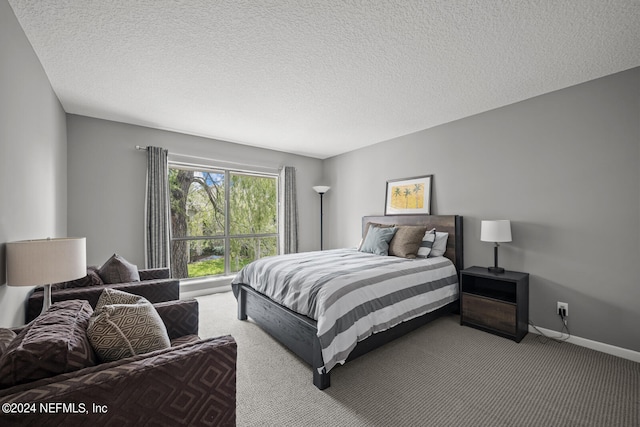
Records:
x=451, y=224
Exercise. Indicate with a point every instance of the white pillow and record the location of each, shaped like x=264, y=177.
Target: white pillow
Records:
x=427, y=243
x=440, y=245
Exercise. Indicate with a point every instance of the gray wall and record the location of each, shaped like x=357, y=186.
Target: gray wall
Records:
x=106, y=182
x=563, y=167
x=33, y=194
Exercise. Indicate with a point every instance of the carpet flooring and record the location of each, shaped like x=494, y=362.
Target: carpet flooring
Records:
x=442, y=374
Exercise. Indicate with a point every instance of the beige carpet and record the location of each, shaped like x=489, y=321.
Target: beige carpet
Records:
x=443, y=374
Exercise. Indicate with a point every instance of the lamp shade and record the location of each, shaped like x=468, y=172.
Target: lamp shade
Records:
x=495, y=231
x=321, y=189
x=46, y=261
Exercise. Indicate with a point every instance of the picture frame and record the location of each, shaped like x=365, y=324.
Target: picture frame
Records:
x=408, y=196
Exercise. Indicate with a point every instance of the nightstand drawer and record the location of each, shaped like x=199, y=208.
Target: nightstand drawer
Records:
x=489, y=312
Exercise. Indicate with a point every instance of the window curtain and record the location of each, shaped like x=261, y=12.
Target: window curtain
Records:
x=289, y=211
x=157, y=208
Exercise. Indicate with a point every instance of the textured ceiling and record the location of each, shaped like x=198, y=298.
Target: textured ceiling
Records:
x=319, y=78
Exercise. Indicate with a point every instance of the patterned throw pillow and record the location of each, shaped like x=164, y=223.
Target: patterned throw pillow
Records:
x=54, y=343
x=406, y=241
x=124, y=325
x=114, y=296
x=118, y=270
x=427, y=243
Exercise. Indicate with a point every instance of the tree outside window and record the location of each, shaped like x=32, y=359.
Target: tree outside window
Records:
x=220, y=220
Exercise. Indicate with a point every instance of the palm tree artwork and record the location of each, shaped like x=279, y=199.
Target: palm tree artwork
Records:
x=407, y=196
x=397, y=191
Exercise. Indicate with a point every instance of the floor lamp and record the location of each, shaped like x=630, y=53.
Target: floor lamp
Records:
x=46, y=261
x=321, y=189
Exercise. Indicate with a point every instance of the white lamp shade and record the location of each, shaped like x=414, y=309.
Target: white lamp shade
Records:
x=495, y=231
x=321, y=189
x=46, y=261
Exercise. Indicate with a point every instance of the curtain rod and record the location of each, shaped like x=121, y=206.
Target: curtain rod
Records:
x=143, y=148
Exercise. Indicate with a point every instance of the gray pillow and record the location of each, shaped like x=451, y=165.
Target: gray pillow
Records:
x=406, y=241
x=372, y=225
x=118, y=270
x=377, y=240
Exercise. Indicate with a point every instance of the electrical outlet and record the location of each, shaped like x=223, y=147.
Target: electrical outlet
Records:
x=563, y=309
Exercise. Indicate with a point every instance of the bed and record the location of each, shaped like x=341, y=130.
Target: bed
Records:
x=264, y=302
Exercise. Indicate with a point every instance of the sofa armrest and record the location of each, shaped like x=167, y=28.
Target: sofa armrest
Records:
x=155, y=291
x=193, y=384
x=179, y=317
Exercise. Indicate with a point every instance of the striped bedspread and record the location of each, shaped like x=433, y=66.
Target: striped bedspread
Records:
x=352, y=294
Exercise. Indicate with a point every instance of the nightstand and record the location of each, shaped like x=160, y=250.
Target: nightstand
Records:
x=496, y=303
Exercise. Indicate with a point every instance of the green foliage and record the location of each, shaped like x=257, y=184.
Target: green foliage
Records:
x=205, y=204
x=250, y=249
x=253, y=204
x=198, y=210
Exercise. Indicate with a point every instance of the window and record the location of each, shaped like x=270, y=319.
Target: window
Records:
x=220, y=220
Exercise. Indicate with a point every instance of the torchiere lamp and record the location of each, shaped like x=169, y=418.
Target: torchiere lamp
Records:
x=496, y=231
x=46, y=261
x=321, y=189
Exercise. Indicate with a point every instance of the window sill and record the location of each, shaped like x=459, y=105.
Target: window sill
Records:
x=209, y=285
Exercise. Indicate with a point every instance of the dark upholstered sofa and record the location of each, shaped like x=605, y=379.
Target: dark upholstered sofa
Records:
x=155, y=285
x=192, y=383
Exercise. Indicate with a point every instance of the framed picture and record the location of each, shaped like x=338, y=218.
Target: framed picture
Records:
x=409, y=196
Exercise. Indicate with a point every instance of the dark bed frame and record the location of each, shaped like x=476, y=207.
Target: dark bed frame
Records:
x=299, y=333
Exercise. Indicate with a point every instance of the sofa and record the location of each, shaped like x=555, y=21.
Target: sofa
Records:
x=192, y=382
x=154, y=284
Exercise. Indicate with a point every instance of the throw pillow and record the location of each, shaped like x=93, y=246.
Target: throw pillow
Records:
x=368, y=226
x=427, y=243
x=406, y=241
x=94, y=277
x=122, y=330
x=118, y=270
x=54, y=343
x=377, y=240
x=440, y=244
x=110, y=296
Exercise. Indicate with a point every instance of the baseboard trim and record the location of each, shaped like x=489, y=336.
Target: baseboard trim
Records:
x=594, y=345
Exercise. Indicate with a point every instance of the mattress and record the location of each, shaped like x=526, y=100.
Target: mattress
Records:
x=352, y=294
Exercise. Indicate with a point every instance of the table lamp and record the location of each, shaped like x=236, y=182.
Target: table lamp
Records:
x=496, y=231
x=46, y=261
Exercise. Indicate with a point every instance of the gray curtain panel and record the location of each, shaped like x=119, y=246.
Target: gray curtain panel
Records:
x=157, y=208
x=289, y=213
